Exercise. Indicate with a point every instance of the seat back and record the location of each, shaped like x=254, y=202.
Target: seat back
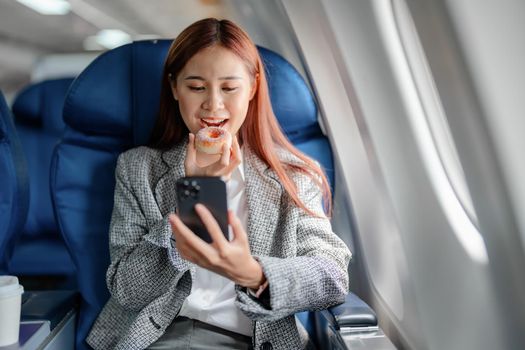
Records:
x=296, y=109
x=106, y=107
x=112, y=107
x=38, y=117
x=14, y=190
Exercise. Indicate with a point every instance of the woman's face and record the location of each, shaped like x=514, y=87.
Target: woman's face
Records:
x=214, y=89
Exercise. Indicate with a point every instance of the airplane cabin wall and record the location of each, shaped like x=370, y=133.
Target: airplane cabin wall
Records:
x=439, y=277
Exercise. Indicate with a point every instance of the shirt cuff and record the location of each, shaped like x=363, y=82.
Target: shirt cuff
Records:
x=259, y=291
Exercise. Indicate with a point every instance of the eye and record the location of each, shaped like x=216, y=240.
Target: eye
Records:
x=196, y=88
x=229, y=89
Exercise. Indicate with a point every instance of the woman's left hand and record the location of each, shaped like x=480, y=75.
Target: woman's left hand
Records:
x=231, y=259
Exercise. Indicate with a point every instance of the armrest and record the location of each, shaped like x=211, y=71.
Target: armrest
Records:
x=351, y=325
x=48, y=305
x=354, y=312
x=353, y=315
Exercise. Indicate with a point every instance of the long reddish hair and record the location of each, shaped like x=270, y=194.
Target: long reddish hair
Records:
x=260, y=128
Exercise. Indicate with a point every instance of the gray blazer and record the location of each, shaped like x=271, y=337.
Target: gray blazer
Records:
x=304, y=261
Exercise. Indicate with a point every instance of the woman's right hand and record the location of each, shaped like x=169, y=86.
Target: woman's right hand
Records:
x=196, y=165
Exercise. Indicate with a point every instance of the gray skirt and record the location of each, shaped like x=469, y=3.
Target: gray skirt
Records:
x=185, y=333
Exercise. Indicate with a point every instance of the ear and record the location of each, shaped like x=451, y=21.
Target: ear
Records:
x=174, y=91
x=173, y=87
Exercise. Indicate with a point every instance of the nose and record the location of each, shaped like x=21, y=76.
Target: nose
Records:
x=214, y=100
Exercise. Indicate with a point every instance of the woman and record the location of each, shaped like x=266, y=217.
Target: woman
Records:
x=169, y=289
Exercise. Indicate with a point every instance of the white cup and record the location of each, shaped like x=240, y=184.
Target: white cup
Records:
x=10, y=306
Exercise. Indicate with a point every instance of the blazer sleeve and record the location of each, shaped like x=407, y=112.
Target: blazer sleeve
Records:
x=143, y=262
x=315, y=279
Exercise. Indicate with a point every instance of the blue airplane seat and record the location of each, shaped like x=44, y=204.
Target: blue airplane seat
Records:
x=41, y=250
x=110, y=108
x=296, y=110
x=14, y=186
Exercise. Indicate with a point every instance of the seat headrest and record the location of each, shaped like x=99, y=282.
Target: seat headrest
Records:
x=41, y=104
x=118, y=93
x=292, y=102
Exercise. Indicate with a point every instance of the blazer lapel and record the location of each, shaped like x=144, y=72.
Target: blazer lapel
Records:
x=263, y=196
x=173, y=161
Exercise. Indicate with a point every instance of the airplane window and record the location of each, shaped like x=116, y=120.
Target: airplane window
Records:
x=433, y=132
x=377, y=241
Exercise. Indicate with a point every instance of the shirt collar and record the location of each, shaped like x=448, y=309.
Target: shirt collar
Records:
x=238, y=172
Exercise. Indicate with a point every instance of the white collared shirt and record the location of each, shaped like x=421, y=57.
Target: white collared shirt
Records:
x=212, y=296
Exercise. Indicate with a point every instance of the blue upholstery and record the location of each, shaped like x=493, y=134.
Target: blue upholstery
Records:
x=14, y=195
x=296, y=110
x=41, y=105
x=38, y=117
x=112, y=107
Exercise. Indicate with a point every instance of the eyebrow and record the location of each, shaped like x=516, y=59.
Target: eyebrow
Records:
x=197, y=77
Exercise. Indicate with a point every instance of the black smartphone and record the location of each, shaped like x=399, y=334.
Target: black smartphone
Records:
x=208, y=191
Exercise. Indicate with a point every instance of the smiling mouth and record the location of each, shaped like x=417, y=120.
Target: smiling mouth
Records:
x=213, y=122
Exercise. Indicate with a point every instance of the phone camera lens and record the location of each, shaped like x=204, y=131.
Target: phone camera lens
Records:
x=194, y=192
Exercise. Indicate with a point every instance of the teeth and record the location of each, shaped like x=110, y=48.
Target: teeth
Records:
x=213, y=122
